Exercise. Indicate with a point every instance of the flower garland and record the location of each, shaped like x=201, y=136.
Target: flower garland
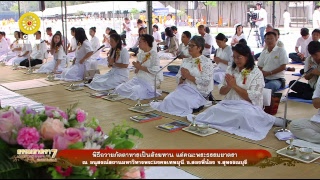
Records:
x=79, y=45
x=57, y=49
x=245, y=73
x=198, y=62
x=146, y=58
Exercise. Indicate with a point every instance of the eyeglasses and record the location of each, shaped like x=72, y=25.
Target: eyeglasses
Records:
x=191, y=45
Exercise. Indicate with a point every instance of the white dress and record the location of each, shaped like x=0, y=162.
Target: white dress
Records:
x=114, y=77
x=220, y=69
x=76, y=71
x=142, y=85
x=49, y=66
x=17, y=60
x=4, y=47
x=92, y=61
x=73, y=45
x=237, y=116
x=10, y=54
x=188, y=96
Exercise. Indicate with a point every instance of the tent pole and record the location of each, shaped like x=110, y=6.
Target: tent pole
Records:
x=149, y=17
x=65, y=24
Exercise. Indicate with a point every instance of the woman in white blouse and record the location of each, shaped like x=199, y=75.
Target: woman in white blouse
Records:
x=4, y=47
x=172, y=45
x=222, y=58
x=58, y=63
x=147, y=65
x=73, y=44
x=195, y=83
x=83, y=52
x=238, y=35
x=24, y=54
x=14, y=48
x=241, y=110
x=119, y=60
x=95, y=44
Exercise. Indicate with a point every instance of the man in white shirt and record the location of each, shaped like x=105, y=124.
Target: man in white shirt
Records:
x=309, y=129
x=49, y=36
x=316, y=17
x=38, y=52
x=176, y=33
x=4, y=47
x=262, y=21
x=169, y=22
x=272, y=62
x=208, y=41
x=286, y=21
x=302, y=42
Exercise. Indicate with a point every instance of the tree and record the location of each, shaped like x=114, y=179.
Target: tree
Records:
x=14, y=7
x=181, y=13
x=209, y=4
x=133, y=12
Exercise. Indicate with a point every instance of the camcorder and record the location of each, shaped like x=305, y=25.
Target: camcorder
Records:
x=252, y=15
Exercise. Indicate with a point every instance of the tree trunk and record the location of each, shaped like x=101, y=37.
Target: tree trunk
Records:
x=230, y=15
x=304, y=12
x=279, y=13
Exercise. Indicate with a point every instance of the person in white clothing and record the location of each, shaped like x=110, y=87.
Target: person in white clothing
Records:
x=118, y=61
x=262, y=21
x=24, y=54
x=302, y=42
x=238, y=35
x=65, y=41
x=95, y=44
x=272, y=62
x=171, y=45
x=194, y=80
x=73, y=44
x=169, y=22
x=176, y=33
x=8, y=40
x=286, y=21
x=309, y=129
x=128, y=27
x=147, y=65
x=83, y=53
x=208, y=41
x=160, y=26
x=4, y=47
x=156, y=35
x=58, y=63
x=223, y=58
x=240, y=112
x=49, y=36
x=316, y=17
x=38, y=52
x=106, y=38
x=14, y=48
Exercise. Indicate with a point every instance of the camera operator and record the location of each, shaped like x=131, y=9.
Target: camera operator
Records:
x=261, y=21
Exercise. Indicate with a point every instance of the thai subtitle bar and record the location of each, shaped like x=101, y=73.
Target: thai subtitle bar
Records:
x=147, y=157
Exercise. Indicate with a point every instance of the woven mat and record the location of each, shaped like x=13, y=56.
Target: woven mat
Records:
x=28, y=84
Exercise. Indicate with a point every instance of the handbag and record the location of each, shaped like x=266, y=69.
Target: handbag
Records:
x=89, y=74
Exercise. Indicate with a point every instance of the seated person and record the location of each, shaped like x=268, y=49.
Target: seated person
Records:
x=118, y=59
x=302, y=42
x=315, y=37
x=222, y=58
x=146, y=67
x=156, y=34
x=14, y=48
x=182, y=50
x=272, y=62
x=208, y=40
x=195, y=83
x=84, y=50
x=171, y=44
x=240, y=112
x=73, y=45
x=305, y=90
x=106, y=38
x=95, y=44
x=238, y=35
x=37, y=54
x=135, y=47
x=59, y=61
x=176, y=33
x=309, y=129
x=4, y=47
x=207, y=30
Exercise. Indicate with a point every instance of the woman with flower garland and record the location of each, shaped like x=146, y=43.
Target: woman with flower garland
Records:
x=241, y=110
x=83, y=52
x=146, y=67
x=58, y=64
x=118, y=60
x=195, y=82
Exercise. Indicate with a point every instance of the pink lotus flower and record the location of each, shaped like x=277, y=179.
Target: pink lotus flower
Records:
x=50, y=128
x=71, y=136
x=35, y=146
x=27, y=136
x=64, y=172
x=9, y=122
x=81, y=115
x=98, y=129
x=50, y=109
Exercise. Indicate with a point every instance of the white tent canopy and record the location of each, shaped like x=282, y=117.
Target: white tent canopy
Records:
x=172, y=10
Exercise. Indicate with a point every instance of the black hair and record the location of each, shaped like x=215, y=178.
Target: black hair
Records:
x=3, y=33
x=93, y=29
x=174, y=28
x=237, y=28
x=270, y=33
x=187, y=33
x=80, y=35
x=49, y=29
x=244, y=50
x=148, y=38
x=243, y=41
x=18, y=32
x=140, y=29
x=73, y=29
x=221, y=37
x=112, y=31
x=304, y=31
x=139, y=21
x=278, y=31
x=207, y=30
x=53, y=45
x=155, y=26
x=168, y=32
x=314, y=47
x=316, y=31
x=157, y=19
x=116, y=37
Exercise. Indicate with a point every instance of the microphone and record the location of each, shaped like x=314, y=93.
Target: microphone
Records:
x=101, y=47
x=155, y=79
x=283, y=129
